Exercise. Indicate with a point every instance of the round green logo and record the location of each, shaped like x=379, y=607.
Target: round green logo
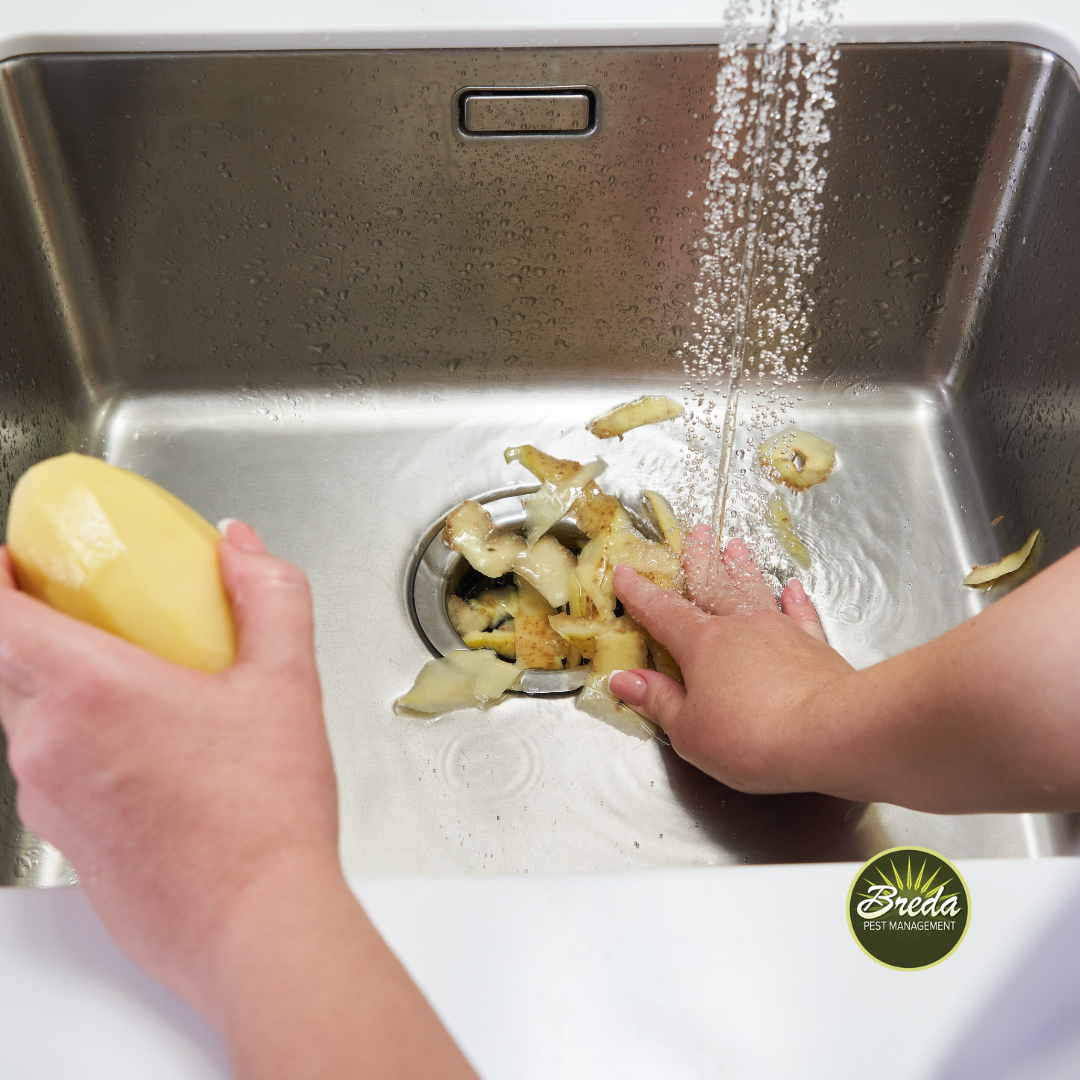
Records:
x=908, y=908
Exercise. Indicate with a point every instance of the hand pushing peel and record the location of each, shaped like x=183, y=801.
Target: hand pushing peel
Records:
x=113, y=549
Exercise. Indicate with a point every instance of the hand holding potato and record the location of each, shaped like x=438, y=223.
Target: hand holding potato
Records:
x=200, y=811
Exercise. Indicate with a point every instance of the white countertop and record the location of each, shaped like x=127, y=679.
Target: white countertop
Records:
x=74, y=25
x=737, y=972
x=747, y=972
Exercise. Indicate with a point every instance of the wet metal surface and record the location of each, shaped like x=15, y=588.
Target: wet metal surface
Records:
x=284, y=287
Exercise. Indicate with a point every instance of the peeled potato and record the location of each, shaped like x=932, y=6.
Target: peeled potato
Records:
x=115, y=550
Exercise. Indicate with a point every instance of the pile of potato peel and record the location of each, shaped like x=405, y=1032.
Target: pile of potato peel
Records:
x=560, y=611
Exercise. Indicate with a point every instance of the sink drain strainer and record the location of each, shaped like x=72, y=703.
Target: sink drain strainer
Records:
x=438, y=572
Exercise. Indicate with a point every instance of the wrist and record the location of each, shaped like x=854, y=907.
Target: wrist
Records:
x=838, y=756
x=286, y=900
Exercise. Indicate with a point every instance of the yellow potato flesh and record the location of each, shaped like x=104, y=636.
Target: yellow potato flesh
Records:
x=115, y=550
x=500, y=640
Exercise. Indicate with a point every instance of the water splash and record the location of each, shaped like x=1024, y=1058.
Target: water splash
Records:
x=767, y=173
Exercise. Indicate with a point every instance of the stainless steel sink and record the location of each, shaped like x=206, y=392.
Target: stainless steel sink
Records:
x=290, y=288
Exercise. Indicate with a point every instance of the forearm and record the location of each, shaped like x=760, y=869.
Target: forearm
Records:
x=304, y=987
x=985, y=718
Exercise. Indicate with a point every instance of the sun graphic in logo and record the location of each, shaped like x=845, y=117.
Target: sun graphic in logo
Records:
x=908, y=908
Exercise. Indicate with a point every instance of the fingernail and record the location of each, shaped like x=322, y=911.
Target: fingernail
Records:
x=798, y=593
x=244, y=539
x=632, y=688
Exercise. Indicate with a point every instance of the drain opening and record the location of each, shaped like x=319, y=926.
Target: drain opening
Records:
x=437, y=572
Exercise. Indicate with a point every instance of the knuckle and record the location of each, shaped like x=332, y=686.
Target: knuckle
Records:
x=285, y=576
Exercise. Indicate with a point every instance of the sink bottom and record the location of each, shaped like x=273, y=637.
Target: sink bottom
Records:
x=346, y=487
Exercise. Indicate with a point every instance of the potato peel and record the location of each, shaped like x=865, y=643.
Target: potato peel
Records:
x=784, y=530
x=537, y=644
x=552, y=502
x=620, y=650
x=465, y=617
x=500, y=640
x=634, y=414
x=597, y=700
x=797, y=458
x=662, y=660
x=666, y=520
x=460, y=680
x=580, y=633
x=470, y=531
x=980, y=575
x=598, y=559
x=549, y=568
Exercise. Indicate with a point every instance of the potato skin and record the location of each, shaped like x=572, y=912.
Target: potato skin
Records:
x=782, y=454
x=537, y=645
x=634, y=414
x=114, y=549
x=619, y=650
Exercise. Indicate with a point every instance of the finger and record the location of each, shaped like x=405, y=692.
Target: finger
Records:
x=7, y=569
x=673, y=621
x=271, y=603
x=241, y=535
x=746, y=577
x=657, y=697
x=706, y=578
x=41, y=647
x=795, y=604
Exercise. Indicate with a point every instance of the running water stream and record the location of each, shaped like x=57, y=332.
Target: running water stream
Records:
x=767, y=172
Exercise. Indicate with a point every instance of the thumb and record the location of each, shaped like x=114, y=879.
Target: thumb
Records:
x=271, y=603
x=657, y=697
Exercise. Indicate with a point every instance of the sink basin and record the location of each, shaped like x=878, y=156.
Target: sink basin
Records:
x=291, y=289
